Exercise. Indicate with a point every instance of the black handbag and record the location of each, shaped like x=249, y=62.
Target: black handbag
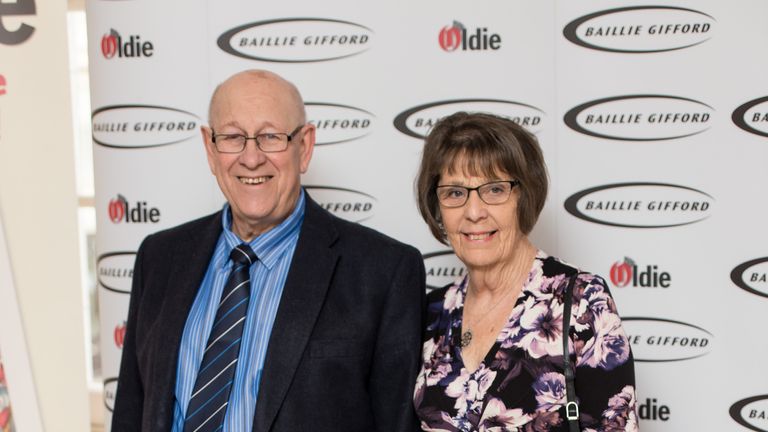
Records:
x=571, y=407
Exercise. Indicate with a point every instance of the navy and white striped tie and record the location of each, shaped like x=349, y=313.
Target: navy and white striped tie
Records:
x=210, y=395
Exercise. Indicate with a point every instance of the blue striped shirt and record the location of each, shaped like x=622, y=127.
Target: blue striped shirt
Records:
x=275, y=250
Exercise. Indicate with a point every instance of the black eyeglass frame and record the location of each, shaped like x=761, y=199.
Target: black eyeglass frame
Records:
x=288, y=138
x=512, y=183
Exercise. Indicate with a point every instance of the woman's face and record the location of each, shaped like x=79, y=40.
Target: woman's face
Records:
x=483, y=236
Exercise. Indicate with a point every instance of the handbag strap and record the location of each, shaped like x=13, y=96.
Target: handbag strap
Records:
x=571, y=407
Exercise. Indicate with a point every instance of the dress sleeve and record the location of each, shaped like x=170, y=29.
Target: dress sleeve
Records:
x=605, y=377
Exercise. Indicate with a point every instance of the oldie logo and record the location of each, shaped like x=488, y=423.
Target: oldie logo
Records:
x=120, y=210
x=663, y=340
x=458, y=37
x=115, y=271
x=142, y=126
x=753, y=116
x=752, y=276
x=23, y=31
x=442, y=268
x=640, y=205
x=114, y=45
x=352, y=205
x=640, y=117
x=627, y=273
x=296, y=40
x=651, y=409
x=119, y=335
x=338, y=123
x=417, y=121
x=751, y=412
x=110, y=390
x=641, y=29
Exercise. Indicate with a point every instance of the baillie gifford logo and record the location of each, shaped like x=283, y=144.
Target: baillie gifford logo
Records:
x=641, y=29
x=626, y=273
x=640, y=117
x=349, y=204
x=664, y=340
x=121, y=211
x=752, y=276
x=417, y=121
x=457, y=37
x=752, y=116
x=338, y=123
x=640, y=205
x=296, y=40
x=442, y=268
x=110, y=390
x=113, y=45
x=751, y=412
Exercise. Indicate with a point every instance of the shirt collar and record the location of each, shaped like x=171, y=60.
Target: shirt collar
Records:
x=268, y=245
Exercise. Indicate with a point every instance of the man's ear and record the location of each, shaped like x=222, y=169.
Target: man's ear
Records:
x=307, y=146
x=210, y=151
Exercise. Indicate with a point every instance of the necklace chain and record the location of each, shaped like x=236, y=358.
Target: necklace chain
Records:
x=466, y=335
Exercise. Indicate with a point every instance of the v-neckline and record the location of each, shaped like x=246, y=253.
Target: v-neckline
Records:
x=494, y=348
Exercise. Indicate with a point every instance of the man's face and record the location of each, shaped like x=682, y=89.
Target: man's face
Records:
x=261, y=188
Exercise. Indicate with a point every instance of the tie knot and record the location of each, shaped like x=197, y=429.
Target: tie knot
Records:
x=242, y=254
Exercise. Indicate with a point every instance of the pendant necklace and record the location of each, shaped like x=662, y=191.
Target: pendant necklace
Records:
x=466, y=335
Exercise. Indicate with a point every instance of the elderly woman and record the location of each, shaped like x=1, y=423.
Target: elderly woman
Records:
x=493, y=345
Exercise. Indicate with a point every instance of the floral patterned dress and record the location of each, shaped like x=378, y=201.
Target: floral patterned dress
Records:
x=520, y=385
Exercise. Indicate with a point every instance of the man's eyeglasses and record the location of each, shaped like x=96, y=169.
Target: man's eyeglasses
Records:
x=266, y=142
x=497, y=192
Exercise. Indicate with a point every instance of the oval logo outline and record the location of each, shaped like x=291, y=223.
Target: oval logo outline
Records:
x=110, y=384
x=738, y=279
x=571, y=116
x=349, y=107
x=571, y=203
x=735, y=411
x=401, y=120
x=141, y=106
x=108, y=256
x=738, y=116
x=309, y=188
x=428, y=256
x=570, y=30
x=667, y=321
x=224, y=40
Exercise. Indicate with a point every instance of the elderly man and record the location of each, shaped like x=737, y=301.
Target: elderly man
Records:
x=272, y=314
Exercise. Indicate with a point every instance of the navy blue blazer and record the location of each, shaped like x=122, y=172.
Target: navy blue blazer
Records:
x=345, y=347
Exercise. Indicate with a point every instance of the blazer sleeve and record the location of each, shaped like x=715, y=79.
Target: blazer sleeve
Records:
x=398, y=347
x=129, y=400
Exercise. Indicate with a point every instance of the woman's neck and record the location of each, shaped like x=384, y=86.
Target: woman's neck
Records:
x=495, y=280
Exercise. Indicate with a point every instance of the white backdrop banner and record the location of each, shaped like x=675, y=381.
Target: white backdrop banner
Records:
x=653, y=120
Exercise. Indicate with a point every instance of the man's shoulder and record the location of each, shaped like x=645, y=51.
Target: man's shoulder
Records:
x=348, y=234
x=369, y=239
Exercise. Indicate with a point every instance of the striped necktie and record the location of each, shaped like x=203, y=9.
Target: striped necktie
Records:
x=210, y=395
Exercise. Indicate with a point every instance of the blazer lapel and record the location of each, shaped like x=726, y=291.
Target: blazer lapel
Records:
x=190, y=259
x=308, y=279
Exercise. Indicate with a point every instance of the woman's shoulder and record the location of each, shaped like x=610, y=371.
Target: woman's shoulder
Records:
x=554, y=267
x=449, y=297
x=437, y=295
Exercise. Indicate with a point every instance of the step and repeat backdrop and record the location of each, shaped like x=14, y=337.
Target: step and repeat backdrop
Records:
x=653, y=120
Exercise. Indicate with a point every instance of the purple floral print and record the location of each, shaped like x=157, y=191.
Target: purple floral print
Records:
x=519, y=385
